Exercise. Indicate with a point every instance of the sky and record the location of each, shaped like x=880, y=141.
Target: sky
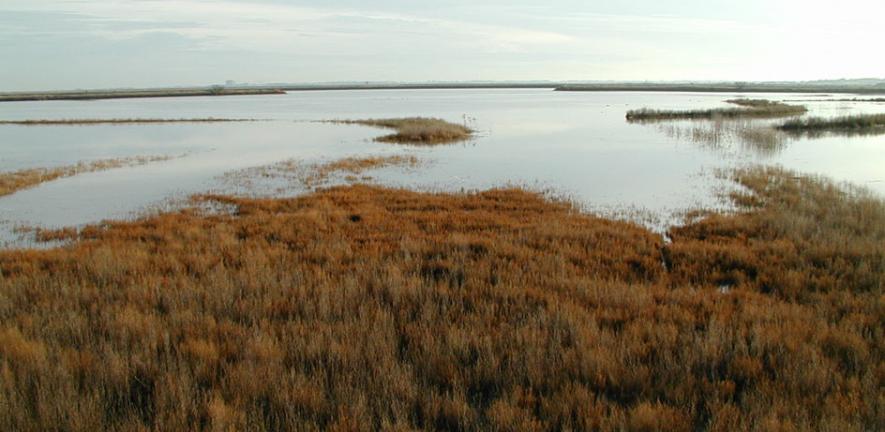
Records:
x=71, y=44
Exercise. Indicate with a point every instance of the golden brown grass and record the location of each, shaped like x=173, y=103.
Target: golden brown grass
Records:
x=81, y=122
x=796, y=236
x=364, y=308
x=417, y=130
x=749, y=108
x=11, y=182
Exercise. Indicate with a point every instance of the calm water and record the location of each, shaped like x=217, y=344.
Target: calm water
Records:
x=573, y=144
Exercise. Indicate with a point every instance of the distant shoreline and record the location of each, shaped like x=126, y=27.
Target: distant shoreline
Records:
x=243, y=91
x=720, y=88
x=282, y=89
x=132, y=94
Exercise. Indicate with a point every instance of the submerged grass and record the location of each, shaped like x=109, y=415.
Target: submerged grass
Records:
x=724, y=135
x=74, y=122
x=365, y=308
x=353, y=166
x=283, y=175
x=871, y=123
x=11, y=182
x=417, y=130
x=749, y=108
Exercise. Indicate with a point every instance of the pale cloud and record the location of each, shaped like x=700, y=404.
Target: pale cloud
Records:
x=160, y=42
x=263, y=27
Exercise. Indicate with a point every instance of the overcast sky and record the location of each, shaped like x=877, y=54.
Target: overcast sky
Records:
x=66, y=44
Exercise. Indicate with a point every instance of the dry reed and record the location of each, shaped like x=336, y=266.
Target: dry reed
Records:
x=364, y=308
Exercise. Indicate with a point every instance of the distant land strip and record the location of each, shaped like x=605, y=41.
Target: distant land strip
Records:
x=56, y=122
x=258, y=90
x=272, y=89
x=127, y=94
x=721, y=88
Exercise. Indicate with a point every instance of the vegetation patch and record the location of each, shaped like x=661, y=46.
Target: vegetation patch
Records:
x=749, y=108
x=861, y=123
x=365, y=308
x=11, y=182
x=417, y=130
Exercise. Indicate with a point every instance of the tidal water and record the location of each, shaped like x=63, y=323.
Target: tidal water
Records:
x=574, y=145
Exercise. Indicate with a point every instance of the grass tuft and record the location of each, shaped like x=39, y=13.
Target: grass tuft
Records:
x=418, y=130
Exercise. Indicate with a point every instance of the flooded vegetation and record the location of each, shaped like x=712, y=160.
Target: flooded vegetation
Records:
x=721, y=128
x=279, y=177
x=417, y=130
x=368, y=307
x=749, y=108
x=721, y=134
x=11, y=182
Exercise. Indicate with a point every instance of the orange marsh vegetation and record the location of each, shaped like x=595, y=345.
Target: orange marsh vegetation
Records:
x=365, y=308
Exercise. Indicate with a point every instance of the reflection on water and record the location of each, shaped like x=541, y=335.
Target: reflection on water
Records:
x=760, y=137
x=836, y=133
x=724, y=135
x=574, y=143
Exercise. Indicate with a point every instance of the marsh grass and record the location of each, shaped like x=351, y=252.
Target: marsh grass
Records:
x=796, y=236
x=860, y=123
x=365, y=308
x=749, y=108
x=82, y=122
x=11, y=182
x=417, y=130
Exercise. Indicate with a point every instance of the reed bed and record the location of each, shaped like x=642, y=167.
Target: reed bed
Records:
x=874, y=123
x=749, y=108
x=366, y=308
